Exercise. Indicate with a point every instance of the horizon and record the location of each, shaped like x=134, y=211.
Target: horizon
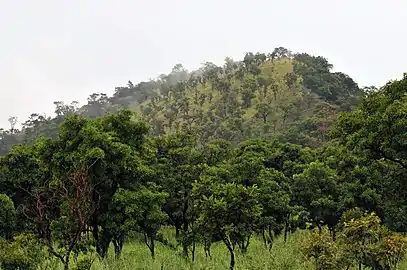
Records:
x=59, y=52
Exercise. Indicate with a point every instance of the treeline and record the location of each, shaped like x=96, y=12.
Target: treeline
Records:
x=100, y=180
x=292, y=97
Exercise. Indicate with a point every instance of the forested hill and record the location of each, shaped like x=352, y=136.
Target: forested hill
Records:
x=221, y=176
x=294, y=97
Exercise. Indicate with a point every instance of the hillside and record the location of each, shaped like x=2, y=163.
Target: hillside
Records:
x=108, y=193
x=294, y=97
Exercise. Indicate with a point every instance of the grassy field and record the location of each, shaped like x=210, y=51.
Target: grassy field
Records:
x=283, y=256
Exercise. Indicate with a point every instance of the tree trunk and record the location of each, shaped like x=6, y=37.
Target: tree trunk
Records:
x=193, y=249
x=232, y=258
x=207, y=248
x=230, y=247
x=118, y=243
x=263, y=234
x=151, y=244
x=185, y=246
x=152, y=247
x=247, y=243
x=95, y=233
x=185, y=228
x=177, y=229
x=319, y=228
x=270, y=238
x=285, y=231
x=244, y=244
x=101, y=241
x=104, y=242
x=66, y=264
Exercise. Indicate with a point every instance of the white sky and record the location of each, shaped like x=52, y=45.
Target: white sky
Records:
x=65, y=50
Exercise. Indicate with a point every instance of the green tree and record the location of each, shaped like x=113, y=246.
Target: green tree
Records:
x=7, y=217
x=317, y=189
x=378, y=126
x=274, y=197
x=377, y=131
x=229, y=210
x=178, y=166
x=144, y=213
x=369, y=243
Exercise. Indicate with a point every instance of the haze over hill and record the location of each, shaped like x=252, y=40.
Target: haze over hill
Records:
x=66, y=51
x=294, y=97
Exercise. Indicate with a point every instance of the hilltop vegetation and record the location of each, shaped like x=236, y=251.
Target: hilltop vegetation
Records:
x=279, y=94
x=275, y=153
x=292, y=97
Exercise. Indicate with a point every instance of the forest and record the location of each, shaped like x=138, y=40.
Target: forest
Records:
x=271, y=162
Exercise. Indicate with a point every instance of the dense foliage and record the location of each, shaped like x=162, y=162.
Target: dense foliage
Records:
x=222, y=154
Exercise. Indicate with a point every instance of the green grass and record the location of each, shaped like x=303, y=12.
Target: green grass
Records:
x=283, y=256
x=137, y=256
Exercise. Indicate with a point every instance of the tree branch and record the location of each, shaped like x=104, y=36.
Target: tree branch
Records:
x=395, y=160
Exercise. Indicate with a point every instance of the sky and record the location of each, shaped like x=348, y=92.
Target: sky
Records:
x=53, y=50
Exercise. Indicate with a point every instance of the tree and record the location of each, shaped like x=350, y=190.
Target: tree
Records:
x=274, y=197
x=96, y=106
x=34, y=127
x=369, y=243
x=318, y=191
x=7, y=217
x=62, y=109
x=7, y=140
x=229, y=210
x=143, y=213
x=115, y=146
x=13, y=120
x=280, y=52
x=378, y=126
x=57, y=200
x=317, y=77
x=178, y=166
x=76, y=211
x=93, y=157
x=377, y=132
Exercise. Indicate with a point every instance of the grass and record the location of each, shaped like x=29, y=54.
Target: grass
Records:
x=136, y=256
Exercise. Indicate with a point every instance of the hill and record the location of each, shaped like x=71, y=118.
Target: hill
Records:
x=107, y=183
x=294, y=97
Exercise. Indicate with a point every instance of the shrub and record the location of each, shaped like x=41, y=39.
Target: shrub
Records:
x=327, y=254
x=25, y=252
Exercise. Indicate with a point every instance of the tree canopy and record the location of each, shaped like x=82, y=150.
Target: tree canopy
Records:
x=261, y=147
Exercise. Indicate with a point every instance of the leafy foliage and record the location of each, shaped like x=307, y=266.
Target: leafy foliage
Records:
x=7, y=216
x=25, y=252
x=222, y=154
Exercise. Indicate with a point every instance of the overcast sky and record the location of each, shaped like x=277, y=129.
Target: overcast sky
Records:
x=65, y=50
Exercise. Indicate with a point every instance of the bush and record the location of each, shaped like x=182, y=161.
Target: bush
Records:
x=362, y=240
x=327, y=254
x=84, y=262
x=24, y=253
